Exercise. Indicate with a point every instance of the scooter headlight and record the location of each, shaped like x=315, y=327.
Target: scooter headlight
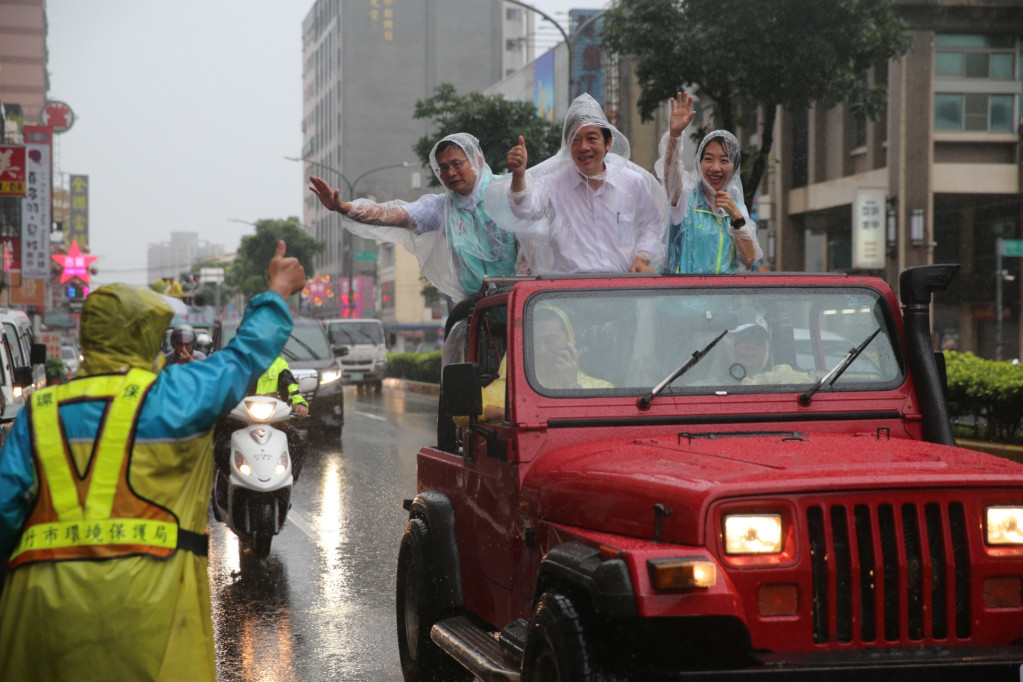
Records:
x=259, y=410
x=282, y=466
x=242, y=465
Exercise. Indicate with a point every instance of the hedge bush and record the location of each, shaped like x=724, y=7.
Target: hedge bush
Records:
x=415, y=366
x=986, y=393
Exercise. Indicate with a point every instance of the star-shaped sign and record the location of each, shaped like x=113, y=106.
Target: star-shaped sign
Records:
x=75, y=264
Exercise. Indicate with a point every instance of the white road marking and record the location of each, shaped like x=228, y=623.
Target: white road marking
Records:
x=371, y=416
x=296, y=520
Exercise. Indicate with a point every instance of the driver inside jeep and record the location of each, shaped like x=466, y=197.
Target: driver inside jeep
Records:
x=749, y=344
x=556, y=363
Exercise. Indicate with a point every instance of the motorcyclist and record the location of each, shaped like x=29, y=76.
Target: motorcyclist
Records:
x=183, y=351
x=279, y=382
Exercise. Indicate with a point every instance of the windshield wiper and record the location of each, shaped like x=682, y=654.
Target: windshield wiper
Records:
x=312, y=354
x=644, y=402
x=832, y=376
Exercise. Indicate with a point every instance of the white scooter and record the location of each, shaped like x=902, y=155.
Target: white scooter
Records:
x=253, y=495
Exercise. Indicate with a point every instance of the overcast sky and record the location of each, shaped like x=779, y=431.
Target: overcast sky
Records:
x=184, y=112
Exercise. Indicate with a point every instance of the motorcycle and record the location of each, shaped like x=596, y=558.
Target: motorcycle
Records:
x=252, y=493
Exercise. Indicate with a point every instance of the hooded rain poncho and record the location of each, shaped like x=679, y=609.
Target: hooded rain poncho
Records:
x=132, y=617
x=451, y=235
x=565, y=225
x=700, y=240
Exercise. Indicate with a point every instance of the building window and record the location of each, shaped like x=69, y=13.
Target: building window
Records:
x=513, y=44
x=976, y=84
x=513, y=14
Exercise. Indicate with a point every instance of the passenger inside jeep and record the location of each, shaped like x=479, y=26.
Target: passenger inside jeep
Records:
x=747, y=359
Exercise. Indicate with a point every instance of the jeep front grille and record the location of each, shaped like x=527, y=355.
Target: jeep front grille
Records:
x=889, y=572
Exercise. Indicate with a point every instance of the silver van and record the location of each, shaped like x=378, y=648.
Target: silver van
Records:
x=29, y=356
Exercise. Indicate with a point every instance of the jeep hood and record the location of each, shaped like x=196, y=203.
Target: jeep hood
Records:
x=612, y=486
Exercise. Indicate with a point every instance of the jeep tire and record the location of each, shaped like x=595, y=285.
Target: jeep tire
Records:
x=558, y=648
x=418, y=609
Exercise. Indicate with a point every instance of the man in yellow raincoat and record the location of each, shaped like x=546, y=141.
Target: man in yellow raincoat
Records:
x=104, y=486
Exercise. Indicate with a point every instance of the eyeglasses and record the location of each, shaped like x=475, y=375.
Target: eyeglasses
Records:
x=455, y=165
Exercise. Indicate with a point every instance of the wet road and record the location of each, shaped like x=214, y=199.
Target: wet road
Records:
x=321, y=606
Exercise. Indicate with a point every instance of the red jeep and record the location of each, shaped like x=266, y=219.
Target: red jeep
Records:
x=707, y=477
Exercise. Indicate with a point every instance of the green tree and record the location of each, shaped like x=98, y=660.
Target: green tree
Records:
x=495, y=121
x=746, y=55
x=247, y=274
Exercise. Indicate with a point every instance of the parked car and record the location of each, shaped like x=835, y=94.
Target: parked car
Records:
x=365, y=362
x=641, y=511
x=29, y=356
x=308, y=349
x=12, y=398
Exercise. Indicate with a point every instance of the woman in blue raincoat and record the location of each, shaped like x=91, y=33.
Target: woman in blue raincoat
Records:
x=711, y=230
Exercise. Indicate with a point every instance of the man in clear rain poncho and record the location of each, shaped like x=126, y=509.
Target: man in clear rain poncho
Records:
x=588, y=207
x=104, y=489
x=451, y=234
x=711, y=230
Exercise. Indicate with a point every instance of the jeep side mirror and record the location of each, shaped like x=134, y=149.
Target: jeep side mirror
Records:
x=37, y=356
x=23, y=376
x=340, y=351
x=460, y=389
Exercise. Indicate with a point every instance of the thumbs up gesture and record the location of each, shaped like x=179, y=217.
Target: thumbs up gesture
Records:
x=517, y=158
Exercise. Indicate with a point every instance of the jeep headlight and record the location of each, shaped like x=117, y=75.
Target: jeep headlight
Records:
x=1004, y=525
x=329, y=376
x=753, y=534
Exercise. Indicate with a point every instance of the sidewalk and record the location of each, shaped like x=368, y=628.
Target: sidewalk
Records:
x=1013, y=452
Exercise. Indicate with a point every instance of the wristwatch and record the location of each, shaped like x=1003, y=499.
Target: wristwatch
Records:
x=736, y=224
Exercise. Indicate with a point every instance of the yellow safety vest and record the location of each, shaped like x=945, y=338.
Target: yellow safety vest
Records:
x=267, y=384
x=94, y=514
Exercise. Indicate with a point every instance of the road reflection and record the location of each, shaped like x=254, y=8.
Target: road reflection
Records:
x=252, y=617
x=321, y=607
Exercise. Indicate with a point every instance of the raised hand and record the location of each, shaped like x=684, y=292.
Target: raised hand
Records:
x=287, y=276
x=328, y=196
x=517, y=157
x=682, y=113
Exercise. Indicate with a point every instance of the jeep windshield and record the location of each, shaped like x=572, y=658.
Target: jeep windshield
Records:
x=775, y=339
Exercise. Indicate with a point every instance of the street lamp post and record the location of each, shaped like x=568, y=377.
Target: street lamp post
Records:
x=569, y=40
x=351, y=185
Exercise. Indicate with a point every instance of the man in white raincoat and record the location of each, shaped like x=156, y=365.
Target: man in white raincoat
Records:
x=104, y=487
x=451, y=234
x=592, y=208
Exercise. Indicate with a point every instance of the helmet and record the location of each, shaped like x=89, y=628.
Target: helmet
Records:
x=203, y=342
x=182, y=334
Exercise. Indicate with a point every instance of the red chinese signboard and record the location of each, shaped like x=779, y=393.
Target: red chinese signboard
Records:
x=57, y=116
x=12, y=170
